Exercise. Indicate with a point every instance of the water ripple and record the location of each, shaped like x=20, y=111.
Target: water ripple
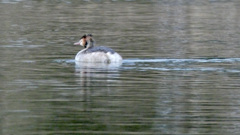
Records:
x=166, y=64
x=209, y=65
x=219, y=60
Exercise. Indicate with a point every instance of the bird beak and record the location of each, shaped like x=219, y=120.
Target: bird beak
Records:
x=77, y=43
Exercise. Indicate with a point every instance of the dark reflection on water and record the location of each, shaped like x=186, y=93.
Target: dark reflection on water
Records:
x=180, y=73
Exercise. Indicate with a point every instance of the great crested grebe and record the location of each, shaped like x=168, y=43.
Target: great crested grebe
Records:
x=96, y=54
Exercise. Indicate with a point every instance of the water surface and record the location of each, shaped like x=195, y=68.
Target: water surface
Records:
x=180, y=73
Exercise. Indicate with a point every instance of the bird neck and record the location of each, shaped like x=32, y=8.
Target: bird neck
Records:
x=90, y=43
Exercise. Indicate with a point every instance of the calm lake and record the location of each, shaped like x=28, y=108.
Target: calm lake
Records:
x=180, y=72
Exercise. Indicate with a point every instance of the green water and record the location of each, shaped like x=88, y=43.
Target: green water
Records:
x=180, y=73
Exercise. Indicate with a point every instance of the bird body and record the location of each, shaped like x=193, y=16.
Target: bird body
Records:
x=96, y=54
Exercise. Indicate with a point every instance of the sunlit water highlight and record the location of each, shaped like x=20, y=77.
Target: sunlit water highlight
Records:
x=163, y=64
x=210, y=60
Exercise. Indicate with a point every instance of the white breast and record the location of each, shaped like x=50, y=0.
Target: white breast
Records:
x=99, y=57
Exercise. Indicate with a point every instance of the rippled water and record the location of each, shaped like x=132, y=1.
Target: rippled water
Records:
x=180, y=73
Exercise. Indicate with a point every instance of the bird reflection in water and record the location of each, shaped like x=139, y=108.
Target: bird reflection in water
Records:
x=95, y=79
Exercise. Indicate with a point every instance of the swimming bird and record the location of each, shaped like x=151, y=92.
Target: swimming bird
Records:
x=95, y=54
